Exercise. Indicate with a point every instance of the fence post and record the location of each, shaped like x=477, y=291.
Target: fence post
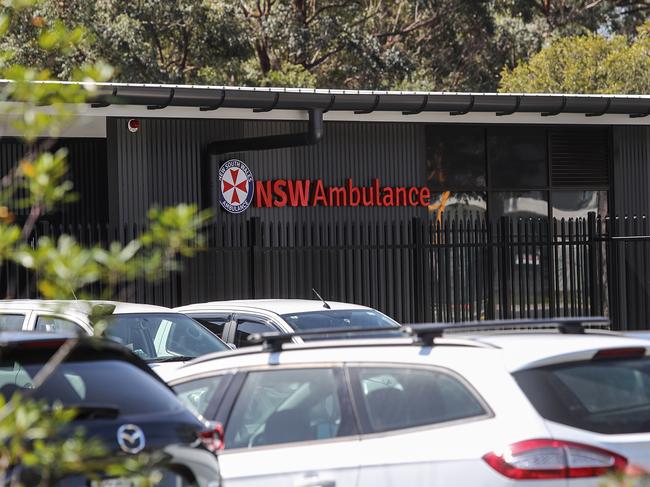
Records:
x=593, y=241
x=505, y=285
x=254, y=252
x=419, y=270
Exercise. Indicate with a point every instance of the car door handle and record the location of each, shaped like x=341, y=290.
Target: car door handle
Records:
x=315, y=482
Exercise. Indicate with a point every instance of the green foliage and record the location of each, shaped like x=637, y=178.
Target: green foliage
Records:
x=35, y=438
x=402, y=44
x=585, y=64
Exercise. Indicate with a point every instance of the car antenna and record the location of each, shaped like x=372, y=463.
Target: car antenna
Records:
x=325, y=305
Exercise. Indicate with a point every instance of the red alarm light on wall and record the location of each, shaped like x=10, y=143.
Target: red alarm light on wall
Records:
x=133, y=125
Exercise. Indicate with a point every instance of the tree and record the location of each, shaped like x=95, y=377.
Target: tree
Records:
x=65, y=268
x=585, y=64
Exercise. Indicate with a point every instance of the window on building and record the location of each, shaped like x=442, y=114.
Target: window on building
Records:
x=517, y=157
x=455, y=157
x=519, y=204
x=579, y=203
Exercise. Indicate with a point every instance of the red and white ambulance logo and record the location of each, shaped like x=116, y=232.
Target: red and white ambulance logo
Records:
x=237, y=186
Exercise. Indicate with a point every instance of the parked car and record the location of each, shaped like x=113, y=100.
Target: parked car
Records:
x=119, y=400
x=497, y=409
x=235, y=321
x=160, y=336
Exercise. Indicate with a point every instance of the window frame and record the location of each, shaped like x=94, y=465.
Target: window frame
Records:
x=363, y=420
x=233, y=324
x=26, y=314
x=211, y=316
x=83, y=327
x=230, y=397
x=548, y=189
x=219, y=394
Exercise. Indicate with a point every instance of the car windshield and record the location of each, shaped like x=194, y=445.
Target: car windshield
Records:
x=346, y=318
x=163, y=337
x=605, y=396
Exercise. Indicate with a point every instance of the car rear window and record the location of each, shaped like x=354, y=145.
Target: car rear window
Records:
x=346, y=318
x=107, y=383
x=604, y=396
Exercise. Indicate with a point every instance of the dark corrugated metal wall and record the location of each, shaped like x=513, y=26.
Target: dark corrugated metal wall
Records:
x=631, y=170
x=87, y=171
x=161, y=164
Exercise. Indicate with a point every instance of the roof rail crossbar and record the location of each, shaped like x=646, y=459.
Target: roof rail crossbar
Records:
x=163, y=105
x=427, y=332
x=273, y=341
x=512, y=110
x=467, y=109
x=273, y=104
x=420, y=109
x=602, y=112
x=369, y=110
x=209, y=108
x=104, y=104
x=558, y=111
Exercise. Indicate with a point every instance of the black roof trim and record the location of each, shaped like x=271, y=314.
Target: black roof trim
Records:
x=363, y=102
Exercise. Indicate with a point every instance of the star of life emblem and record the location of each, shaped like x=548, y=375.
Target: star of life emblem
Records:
x=237, y=185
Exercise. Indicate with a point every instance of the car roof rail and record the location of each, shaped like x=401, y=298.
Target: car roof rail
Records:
x=273, y=341
x=427, y=332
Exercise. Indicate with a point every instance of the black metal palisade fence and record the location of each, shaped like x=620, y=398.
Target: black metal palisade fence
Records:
x=417, y=270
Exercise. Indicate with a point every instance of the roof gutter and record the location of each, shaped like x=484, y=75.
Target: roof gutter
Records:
x=312, y=136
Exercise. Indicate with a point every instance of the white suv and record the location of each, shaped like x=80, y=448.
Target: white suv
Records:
x=233, y=321
x=500, y=409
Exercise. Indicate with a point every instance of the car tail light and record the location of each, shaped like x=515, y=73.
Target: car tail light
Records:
x=632, y=352
x=212, y=438
x=553, y=459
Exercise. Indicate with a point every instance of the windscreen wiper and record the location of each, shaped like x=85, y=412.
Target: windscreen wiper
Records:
x=173, y=358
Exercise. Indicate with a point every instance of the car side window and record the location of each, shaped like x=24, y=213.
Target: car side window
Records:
x=288, y=406
x=391, y=398
x=11, y=322
x=215, y=323
x=246, y=327
x=55, y=323
x=197, y=394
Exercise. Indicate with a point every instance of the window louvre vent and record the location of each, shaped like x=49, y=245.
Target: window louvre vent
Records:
x=579, y=157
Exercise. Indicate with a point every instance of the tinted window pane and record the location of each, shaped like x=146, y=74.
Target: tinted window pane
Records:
x=197, y=394
x=605, y=396
x=11, y=322
x=108, y=383
x=517, y=157
x=248, y=327
x=396, y=398
x=526, y=204
x=578, y=204
x=163, y=336
x=338, y=319
x=454, y=204
x=285, y=406
x=215, y=324
x=52, y=323
x=455, y=156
